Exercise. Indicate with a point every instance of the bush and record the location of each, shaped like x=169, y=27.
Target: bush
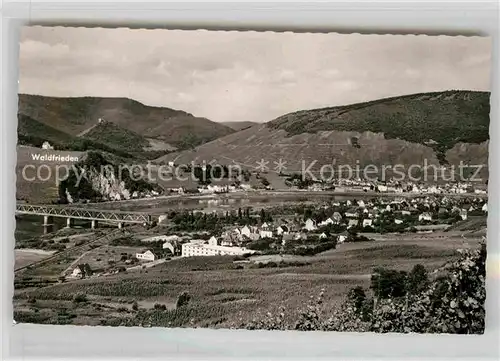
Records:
x=183, y=299
x=160, y=307
x=79, y=298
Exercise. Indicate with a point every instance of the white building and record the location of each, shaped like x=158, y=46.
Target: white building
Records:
x=367, y=222
x=77, y=272
x=463, y=214
x=146, y=256
x=425, y=217
x=352, y=223
x=282, y=230
x=326, y=222
x=310, y=226
x=197, y=249
x=382, y=188
x=336, y=217
x=169, y=246
x=341, y=238
x=266, y=233
x=46, y=145
x=245, y=231
x=485, y=207
x=398, y=221
x=212, y=241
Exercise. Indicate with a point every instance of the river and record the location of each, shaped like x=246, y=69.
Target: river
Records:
x=29, y=226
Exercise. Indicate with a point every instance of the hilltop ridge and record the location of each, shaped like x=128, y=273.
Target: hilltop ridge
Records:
x=73, y=115
x=440, y=128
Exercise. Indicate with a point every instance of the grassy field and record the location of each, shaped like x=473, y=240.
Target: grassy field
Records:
x=224, y=293
x=24, y=257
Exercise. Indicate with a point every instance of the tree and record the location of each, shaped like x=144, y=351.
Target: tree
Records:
x=183, y=299
x=387, y=283
x=417, y=280
x=262, y=215
x=135, y=306
x=160, y=307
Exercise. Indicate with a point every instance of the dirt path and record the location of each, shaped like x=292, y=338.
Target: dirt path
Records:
x=81, y=134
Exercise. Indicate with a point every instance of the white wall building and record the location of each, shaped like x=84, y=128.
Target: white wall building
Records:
x=282, y=230
x=352, y=223
x=169, y=246
x=245, y=231
x=77, y=272
x=382, y=188
x=197, y=249
x=146, y=256
x=266, y=233
x=367, y=222
x=310, y=226
x=326, y=222
x=425, y=217
x=46, y=145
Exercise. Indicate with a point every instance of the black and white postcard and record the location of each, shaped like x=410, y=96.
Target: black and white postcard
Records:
x=252, y=180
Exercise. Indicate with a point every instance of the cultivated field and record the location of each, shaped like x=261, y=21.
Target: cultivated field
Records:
x=226, y=293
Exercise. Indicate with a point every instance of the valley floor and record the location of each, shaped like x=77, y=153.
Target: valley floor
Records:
x=224, y=292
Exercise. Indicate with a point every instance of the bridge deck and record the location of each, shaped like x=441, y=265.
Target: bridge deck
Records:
x=83, y=213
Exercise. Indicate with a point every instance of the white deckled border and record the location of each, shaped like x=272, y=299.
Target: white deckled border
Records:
x=42, y=341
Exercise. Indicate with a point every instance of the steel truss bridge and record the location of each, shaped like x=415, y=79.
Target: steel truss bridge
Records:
x=118, y=217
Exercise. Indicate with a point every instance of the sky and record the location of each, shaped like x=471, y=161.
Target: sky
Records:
x=245, y=76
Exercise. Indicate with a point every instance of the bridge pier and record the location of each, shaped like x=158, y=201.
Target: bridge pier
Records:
x=93, y=224
x=48, y=221
x=48, y=224
x=120, y=225
x=48, y=228
x=69, y=222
